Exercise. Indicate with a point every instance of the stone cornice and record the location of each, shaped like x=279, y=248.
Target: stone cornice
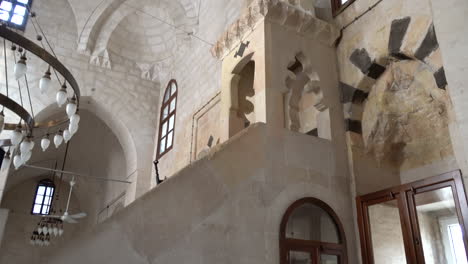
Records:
x=284, y=12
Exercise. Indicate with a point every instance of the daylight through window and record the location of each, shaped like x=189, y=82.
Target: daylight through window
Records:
x=15, y=12
x=43, y=198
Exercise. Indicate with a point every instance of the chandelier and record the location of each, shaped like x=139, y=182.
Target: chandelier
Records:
x=17, y=51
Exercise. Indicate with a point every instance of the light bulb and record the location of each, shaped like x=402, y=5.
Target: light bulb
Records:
x=55, y=231
x=45, y=230
x=6, y=161
x=60, y=231
x=58, y=139
x=45, y=143
x=39, y=230
x=17, y=136
x=44, y=82
x=61, y=96
x=17, y=161
x=2, y=121
x=20, y=68
x=73, y=128
x=25, y=156
x=32, y=144
x=67, y=135
x=75, y=119
x=25, y=146
x=71, y=107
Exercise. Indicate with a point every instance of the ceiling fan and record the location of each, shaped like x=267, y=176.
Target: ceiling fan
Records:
x=66, y=217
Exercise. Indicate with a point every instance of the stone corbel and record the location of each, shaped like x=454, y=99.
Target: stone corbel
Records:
x=101, y=59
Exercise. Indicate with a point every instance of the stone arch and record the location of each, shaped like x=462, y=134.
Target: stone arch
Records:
x=95, y=35
x=304, y=101
x=407, y=63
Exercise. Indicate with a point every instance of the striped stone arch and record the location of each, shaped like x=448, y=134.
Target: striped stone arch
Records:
x=354, y=98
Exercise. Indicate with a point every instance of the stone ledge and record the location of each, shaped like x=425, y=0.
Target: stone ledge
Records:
x=283, y=12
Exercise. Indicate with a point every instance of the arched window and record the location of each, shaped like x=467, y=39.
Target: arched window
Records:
x=311, y=233
x=167, y=119
x=43, y=198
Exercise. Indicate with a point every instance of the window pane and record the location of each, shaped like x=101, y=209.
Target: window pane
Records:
x=165, y=112
x=173, y=105
x=45, y=210
x=328, y=259
x=386, y=233
x=436, y=213
x=166, y=96
x=310, y=222
x=37, y=209
x=296, y=257
x=6, y=5
x=164, y=129
x=4, y=15
x=49, y=191
x=173, y=88
x=39, y=199
x=171, y=123
x=41, y=190
x=20, y=10
x=162, y=147
x=47, y=200
x=17, y=19
x=169, y=139
x=344, y=1
x=23, y=1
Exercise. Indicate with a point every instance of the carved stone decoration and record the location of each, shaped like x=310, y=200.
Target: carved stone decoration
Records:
x=287, y=13
x=101, y=58
x=302, y=79
x=157, y=71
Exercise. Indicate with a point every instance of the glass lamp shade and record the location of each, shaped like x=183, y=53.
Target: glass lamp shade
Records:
x=25, y=156
x=58, y=139
x=17, y=136
x=60, y=231
x=67, y=135
x=44, y=83
x=73, y=128
x=45, y=143
x=61, y=97
x=26, y=145
x=75, y=119
x=17, y=161
x=71, y=108
x=55, y=230
x=6, y=161
x=20, y=68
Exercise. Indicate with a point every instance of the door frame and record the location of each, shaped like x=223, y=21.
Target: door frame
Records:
x=404, y=195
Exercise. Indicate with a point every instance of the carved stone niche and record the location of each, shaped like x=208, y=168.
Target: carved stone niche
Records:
x=257, y=86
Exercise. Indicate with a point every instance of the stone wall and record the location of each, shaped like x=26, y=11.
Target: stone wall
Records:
x=397, y=102
x=247, y=184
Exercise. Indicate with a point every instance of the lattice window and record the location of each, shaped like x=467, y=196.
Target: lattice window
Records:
x=15, y=12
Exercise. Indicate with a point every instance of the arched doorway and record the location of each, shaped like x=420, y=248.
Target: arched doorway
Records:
x=311, y=233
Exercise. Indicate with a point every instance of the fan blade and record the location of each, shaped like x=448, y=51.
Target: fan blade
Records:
x=69, y=220
x=53, y=216
x=78, y=216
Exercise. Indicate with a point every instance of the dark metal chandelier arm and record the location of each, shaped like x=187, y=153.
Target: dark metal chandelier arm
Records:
x=41, y=53
x=17, y=109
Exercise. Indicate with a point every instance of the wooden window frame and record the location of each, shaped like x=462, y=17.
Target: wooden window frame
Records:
x=26, y=15
x=167, y=103
x=337, y=7
x=47, y=184
x=404, y=195
x=315, y=248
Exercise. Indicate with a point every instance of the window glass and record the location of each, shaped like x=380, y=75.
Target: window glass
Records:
x=163, y=145
x=310, y=222
x=5, y=5
x=20, y=10
x=43, y=197
x=173, y=105
x=173, y=89
x=171, y=123
x=164, y=129
x=23, y=1
x=169, y=139
x=166, y=96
